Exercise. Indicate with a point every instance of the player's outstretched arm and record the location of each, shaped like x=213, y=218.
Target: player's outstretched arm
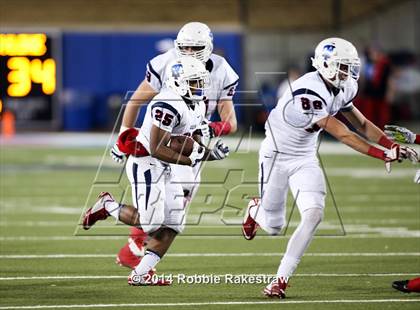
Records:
x=342, y=133
x=367, y=128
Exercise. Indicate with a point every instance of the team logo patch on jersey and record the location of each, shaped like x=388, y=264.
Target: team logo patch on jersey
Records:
x=177, y=70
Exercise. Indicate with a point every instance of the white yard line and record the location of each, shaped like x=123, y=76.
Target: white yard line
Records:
x=230, y=223
x=175, y=276
x=258, y=254
x=216, y=303
x=61, y=238
x=37, y=223
x=397, y=235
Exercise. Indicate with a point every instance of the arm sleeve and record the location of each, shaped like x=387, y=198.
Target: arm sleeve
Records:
x=230, y=81
x=165, y=116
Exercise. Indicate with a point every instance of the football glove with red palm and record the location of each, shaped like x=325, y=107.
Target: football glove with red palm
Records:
x=127, y=145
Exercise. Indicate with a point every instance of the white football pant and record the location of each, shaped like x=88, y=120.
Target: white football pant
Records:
x=279, y=172
x=157, y=194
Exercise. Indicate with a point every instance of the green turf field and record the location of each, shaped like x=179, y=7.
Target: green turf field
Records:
x=47, y=260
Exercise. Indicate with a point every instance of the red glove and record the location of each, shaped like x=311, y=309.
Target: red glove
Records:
x=220, y=128
x=128, y=144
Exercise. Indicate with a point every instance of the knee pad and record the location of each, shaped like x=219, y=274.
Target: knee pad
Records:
x=310, y=200
x=313, y=216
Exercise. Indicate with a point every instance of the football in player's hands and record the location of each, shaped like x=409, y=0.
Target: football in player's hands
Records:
x=182, y=144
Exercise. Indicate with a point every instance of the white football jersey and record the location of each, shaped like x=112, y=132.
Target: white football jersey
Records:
x=223, y=78
x=169, y=112
x=291, y=126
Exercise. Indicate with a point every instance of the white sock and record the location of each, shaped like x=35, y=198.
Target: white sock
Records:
x=149, y=261
x=299, y=241
x=113, y=208
x=287, y=266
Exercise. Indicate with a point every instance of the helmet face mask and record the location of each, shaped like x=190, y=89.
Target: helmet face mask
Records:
x=337, y=60
x=343, y=71
x=196, y=88
x=188, y=78
x=196, y=40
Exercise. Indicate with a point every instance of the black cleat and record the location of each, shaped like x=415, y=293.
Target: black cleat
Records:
x=401, y=286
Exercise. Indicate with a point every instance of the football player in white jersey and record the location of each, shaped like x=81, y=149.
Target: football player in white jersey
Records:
x=288, y=158
x=157, y=196
x=194, y=39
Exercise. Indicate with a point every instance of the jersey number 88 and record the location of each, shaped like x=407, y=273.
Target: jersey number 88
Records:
x=306, y=104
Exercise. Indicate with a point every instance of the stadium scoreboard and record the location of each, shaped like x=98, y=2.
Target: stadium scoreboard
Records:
x=28, y=79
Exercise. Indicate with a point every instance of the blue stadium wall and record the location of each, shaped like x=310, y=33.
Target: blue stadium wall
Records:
x=97, y=65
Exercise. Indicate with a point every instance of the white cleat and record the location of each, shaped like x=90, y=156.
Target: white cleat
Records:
x=276, y=289
x=249, y=225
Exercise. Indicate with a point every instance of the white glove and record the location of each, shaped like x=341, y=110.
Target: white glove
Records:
x=220, y=150
x=117, y=155
x=205, y=130
x=197, y=154
x=391, y=155
x=400, y=134
x=410, y=154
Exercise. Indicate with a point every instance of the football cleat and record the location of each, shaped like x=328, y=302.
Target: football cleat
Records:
x=401, y=286
x=98, y=211
x=249, y=225
x=149, y=279
x=127, y=257
x=407, y=286
x=131, y=253
x=276, y=289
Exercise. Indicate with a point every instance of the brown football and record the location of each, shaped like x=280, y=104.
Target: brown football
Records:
x=182, y=144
